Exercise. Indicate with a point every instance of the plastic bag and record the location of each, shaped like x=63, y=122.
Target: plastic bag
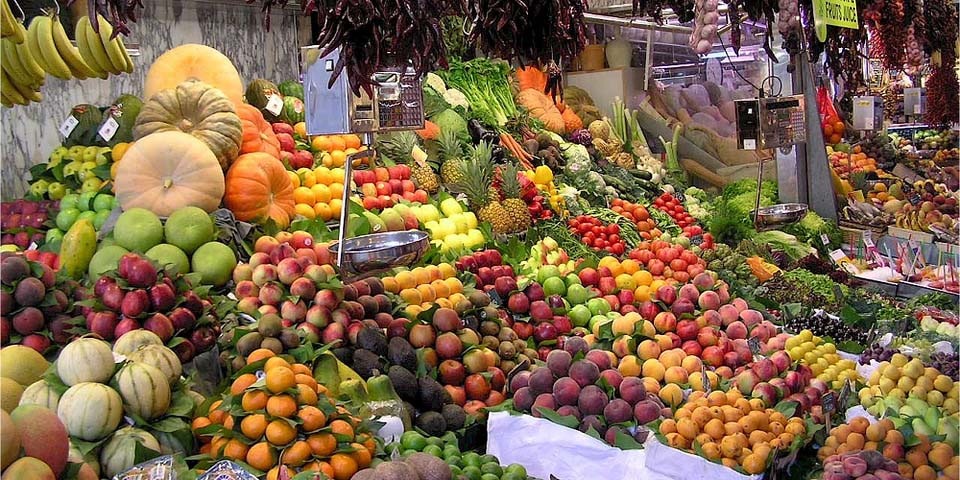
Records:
x=830, y=121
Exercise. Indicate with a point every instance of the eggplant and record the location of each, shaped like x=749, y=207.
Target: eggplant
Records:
x=479, y=133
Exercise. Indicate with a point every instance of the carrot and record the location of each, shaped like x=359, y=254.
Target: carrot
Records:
x=517, y=150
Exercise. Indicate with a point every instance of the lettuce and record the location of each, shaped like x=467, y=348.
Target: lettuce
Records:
x=784, y=242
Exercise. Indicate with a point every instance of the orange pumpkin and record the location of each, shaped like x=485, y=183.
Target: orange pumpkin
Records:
x=571, y=121
x=532, y=77
x=430, y=131
x=258, y=188
x=258, y=135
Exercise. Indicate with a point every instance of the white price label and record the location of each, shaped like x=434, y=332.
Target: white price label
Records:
x=108, y=129
x=868, y=124
x=825, y=239
x=837, y=255
x=70, y=123
x=916, y=108
x=867, y=239
x=274, y=105
x=749, y=144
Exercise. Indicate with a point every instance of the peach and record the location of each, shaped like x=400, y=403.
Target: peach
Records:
x=672, y=357
x=544, y=400
x=675, y=375
x=630, y=366
x=740, y=304
x=728, y=314
x=541, y=381
x=569, y=411
x=691, y=364
x=270, y=294
x=246, y=288
x=566, y=391
x=592, y=400
x=751, y=317
x=612, y=377
x=709, y=300
x=617, y=411
x=241, y=272
x=294, y=312
x=265, y=244
x=264, y=274
x=624, y=345
x=665, y=322
x=646, y=411
x=523, y=399
x=600, y=358
x=703, y=281
x=737, y=330
x=584, y=372
x=713, y=318
x=653, y=369
x=632, y=390
x=648, y=349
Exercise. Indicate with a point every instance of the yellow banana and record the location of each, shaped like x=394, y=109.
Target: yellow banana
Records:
x=10, y=62
x=113, y=49
x=51, y=57
x=27, y=91
x=126, y=57
x=6, y=86
x=84, y=47
x=97, y=49
x=8, y=24
x=5, y=101
x=34, y=47
x=28, y=61
x=69, y=53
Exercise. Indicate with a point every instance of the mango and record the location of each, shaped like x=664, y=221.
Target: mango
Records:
x=28, y=467
x=77, y=248
x=22, y=364
x=10, y=392
x=42, y=436
x=9, y=440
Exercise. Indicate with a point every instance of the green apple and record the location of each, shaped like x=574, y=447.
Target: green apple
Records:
x=39, y=188
x=579, y=315
x=547, y=271
x=102, y=155
x=56, y=191
x=571, y=279
x=103, y=201
x=53, y=235
x=554, y=286
x=598, y=306
x=88, y=215
x=69, y=201
x=578, y=294
x=72, y=168
x=91, y=185
x=90, y=154
x=85, y=201
x=66, y=217
x=76, y=151
x=99, y=218
x=56, y=156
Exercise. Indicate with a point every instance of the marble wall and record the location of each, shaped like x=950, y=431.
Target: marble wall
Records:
x=29, y=134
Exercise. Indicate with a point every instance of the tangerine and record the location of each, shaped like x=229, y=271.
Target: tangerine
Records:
x=296, y=454
x=274, y=362
x=260, y=354
x=253, y=426
x=361, y=455
x=341, y=427
x=280, y=378
x=254, y=400
x=235, y=450
x=262, y=456
x=344, y=466
x=322, y=444
x=281, y=406
x=280, y=432
x=306, y=395
x=242, y=382
x=313, y=418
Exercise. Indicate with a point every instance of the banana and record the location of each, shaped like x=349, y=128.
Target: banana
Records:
x=27, y=92
x=69, y=53
x=6, y=86
x=10, y=62
x=84, y=47
x=28, y=61
x=5, y=101
x=8, y=24
x=97, y=49
x=126, y=57
x=112, y=47
x=34, y=47
x=52, y=58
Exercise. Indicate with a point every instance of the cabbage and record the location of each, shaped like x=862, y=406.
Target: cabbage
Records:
x=784, y=242
x=451, y=120
x=434, y=80
x=456, y=98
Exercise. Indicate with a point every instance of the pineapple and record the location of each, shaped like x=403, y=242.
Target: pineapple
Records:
x=451, y=150
x=396, y=145
x=477, y=176
x=421, y=171
x=515, y=206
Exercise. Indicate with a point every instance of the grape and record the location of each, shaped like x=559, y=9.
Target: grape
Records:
x=878, y=353
x=945, y=363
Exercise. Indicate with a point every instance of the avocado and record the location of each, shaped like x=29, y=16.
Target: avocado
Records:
x=454, y=415
x=432, y=423
x=400, y=352
x=366, y=363
x=372, y=339
x=404, y=382
x=430, y=395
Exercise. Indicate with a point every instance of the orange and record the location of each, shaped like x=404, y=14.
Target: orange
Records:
x=323, y=211
x=299, y=368
x=228, y=422
x=306, y=395
x=254, y=400
x=281, y=406
x=304, y=195
x=318, y=466
x=280, y=432
x=262, y=456
x=447, y=270
x=217, y=445
x=280, y=378
x=336, y=143
x=260, y=354
x=296, y=454
x=242, y=382
x=341, y=427
x=322, y=444
x=344, y=466
x=361, y=455
x=321, y=193
x=304, y=210
x=313, y=418
x=336, y=204
x=336, y=193
x=253, y=426
x=217, y=416
x=294, y=179
x=320, y=143
x=351, y=140
x=306, y=379
x=235, y=450
x=199, y=423
x=338, y=158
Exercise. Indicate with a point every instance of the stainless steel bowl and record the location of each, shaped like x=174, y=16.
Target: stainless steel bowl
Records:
x=775, y=216
x=369, y=254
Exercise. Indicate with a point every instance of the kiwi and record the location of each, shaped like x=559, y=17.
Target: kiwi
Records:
x=289, y=338
x=269, y=325
x=272, y=344
x=248, y=343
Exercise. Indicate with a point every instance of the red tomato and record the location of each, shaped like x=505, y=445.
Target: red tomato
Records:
x=655, y=267
x=614, y=238
x=600, y=243
x=644, y=256
x=678, y=264
x=688, y=256
x=613, y=228
x=681, y=276
x=618, y=248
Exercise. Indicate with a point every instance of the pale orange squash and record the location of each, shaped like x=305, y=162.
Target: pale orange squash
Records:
x=194, y=62
x=258, y=135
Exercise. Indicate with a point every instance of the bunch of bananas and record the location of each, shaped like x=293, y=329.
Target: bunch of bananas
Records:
x=8, y=24
x=44, y=49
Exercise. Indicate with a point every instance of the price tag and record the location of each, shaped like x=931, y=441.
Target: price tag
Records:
x=829, y=402
x=868, y=123
x=844, y=393
x=825, y=239
x=916, y=109
x=867, y=239
x=274, y=105
x=837, y=255
x=696, y=240
x=914, y=198
x=749, y=144
x=705, y=378
x=680, y=197
x=108, y=129
x=754, y=344
x=70, y=123
x=495, y=297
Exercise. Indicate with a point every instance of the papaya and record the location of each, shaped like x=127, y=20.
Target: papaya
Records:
x=77, y=248
x=326, y=371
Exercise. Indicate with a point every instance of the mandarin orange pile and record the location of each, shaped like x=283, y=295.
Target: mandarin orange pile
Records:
x=421, y=287
x=739, y=433
x=284, y=418
x=318, y=193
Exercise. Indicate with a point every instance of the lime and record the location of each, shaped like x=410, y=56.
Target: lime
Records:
x=412, y=440
x=105, y=260
x=453, y=460
x=489, y=476
x=215, y=261
x=188, y=228
x=391, y=447
x=492, y=467
x=53, y=235
x=170, y=258
x=451, y=451
x=435, y=441
x=488, y=459
x=455, y=471
x=407, y=453
x=512, y=476
x=103, y=202
x=66, y=217
x=433, y=450
x=100, y=218
x=472, y=459
x=69, y=201
x=87, y=215
x=516, y=469
x=138, y=230
x=85, y=201
x=472, y=472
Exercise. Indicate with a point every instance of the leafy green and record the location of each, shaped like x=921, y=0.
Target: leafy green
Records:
x=789, y=244
x=729, y=224
x=433, y=102
x=486, y=84
x=810, y=229
x=820, y=284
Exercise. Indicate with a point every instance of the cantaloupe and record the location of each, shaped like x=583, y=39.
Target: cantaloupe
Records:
x=193, y=61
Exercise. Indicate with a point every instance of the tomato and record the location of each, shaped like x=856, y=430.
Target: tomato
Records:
x=678, y=264
x=658, y=202
x=681, y=276
x=613, y=228
x=695, y=270
x=641, y=214
x=618, y=248
x=589, y=237
x=655, y=267
x=614, y=238
x=689, y=257
x=600, y=243
x=583, y=228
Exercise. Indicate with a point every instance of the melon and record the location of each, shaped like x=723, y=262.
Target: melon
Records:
x=41, y=393
x=91, y=459
x=29, y=467
x=144, y=389
x=160, y=357
x=119, y=452
x=194, y=62
x=170, y=444
x=23, y=364
x=90, y=411
x=42, y=435
x=134, y=339
x=85, y=360
x=9, y=440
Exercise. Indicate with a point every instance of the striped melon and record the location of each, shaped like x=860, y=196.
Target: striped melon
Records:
x=40, y=393
x=92, y=458
x=161, y=357
x=119, y=452
x=144, y=389
x=90, y=411
x=134, y=339
x=85, y=360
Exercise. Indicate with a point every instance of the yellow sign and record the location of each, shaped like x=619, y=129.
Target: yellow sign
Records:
x=839, y=13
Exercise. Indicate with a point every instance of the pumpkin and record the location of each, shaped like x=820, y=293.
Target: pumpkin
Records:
x=90, y=411
x=167, y=171
x=258, y=187
x=541, y=107
x=41, y=393
x=531, y=77
x=259, y=92
x=430, y=131
x=119, y=453
x=134, y=339
x=258, y=135
x=198, y=109
x=162, y=358
x=85, y=360
x=194, y=62
x=571, y=121
x=144, y=389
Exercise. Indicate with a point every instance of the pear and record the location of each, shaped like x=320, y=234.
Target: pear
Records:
x=913, y=368
x=932, y=418
x=921, y=427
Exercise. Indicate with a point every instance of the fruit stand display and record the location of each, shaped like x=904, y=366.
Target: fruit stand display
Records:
x=171, y=300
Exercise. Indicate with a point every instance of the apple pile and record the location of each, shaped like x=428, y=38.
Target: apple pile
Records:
x=136, y=296
x=594, y=234
x=34, y=306
x=474, y=262
x=22, y=221
x=669, y=204
x=383, y=187
x=773, y=379
x=665, y=260
x=295, y=154
x=547, y=252
x=581, y=389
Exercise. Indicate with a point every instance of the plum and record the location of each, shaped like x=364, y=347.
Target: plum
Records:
x=584, y=372
x=558, y=361
x=592, y=400
x=617, y=411
x=566, y=391
x=541, y=381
